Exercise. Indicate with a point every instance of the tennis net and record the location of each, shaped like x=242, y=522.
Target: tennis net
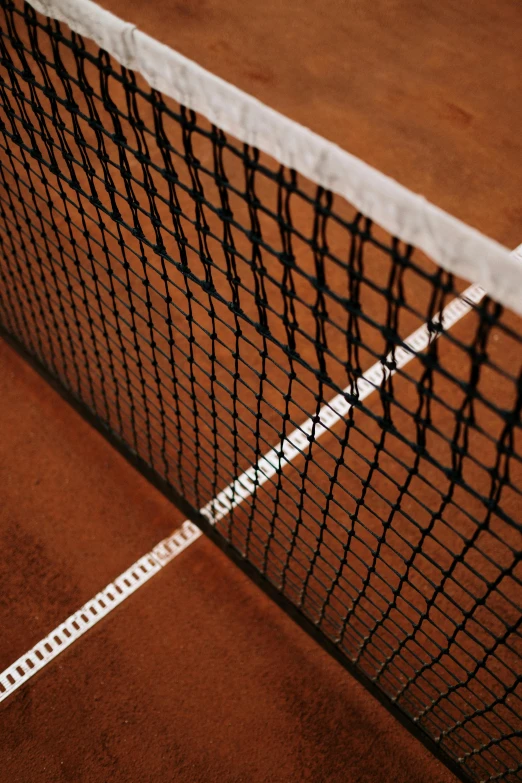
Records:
x=283, y=341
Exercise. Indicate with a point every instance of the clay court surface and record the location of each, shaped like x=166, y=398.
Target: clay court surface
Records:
x=199, y=676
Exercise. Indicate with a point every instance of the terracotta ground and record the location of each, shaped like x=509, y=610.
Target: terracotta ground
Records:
x=199, y=677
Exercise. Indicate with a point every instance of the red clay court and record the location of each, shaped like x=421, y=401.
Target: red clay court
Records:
x=261, y=405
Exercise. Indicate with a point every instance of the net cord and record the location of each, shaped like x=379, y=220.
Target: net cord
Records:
x=455, y=246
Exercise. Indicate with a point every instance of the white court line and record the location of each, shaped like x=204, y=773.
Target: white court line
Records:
x=93, y=611
x=239, y=490
x=333, y=411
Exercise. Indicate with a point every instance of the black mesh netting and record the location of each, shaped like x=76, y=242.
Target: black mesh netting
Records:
x=203, y=303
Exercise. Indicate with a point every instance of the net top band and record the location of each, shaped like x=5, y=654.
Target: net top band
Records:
x=455, y=246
